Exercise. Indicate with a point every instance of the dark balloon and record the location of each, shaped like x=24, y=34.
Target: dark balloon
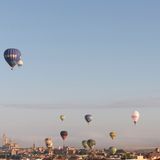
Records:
x=88, y=117
x=64, y=134
x=12, y=56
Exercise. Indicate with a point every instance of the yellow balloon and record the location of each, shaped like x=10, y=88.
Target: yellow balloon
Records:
x=112, y=135
x=62, y=117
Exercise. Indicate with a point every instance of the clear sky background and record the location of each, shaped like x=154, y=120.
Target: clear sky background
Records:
x=97, y=57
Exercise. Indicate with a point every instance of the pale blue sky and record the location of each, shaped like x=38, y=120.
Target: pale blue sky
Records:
x=81, y=57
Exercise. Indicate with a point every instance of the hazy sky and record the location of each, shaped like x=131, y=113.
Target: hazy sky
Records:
x=97, y=57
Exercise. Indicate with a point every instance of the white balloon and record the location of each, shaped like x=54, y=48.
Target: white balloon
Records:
x=135, y=116
x=49, y=142
x=20, y=63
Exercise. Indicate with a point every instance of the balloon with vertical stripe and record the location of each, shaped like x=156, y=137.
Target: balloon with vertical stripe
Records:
x=12, y=56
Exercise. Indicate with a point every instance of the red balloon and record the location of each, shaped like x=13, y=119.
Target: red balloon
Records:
x=64, y=134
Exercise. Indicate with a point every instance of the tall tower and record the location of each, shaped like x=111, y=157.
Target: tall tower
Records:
x=34, y=146
x=4, y=140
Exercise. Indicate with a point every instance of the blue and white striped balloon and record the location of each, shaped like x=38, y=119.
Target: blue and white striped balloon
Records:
x=12, y=56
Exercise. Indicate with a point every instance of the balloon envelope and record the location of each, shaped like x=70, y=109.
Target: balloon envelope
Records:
x=113, y=150
x=84, y=144
x=64, y=134
x=135, y=116
x=62, y=117
x=12, y=56
x=48, y=142
x=112, y=135
x=20, y=63
x=88, y=117
x=91, y=143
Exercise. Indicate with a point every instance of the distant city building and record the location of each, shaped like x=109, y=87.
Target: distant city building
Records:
x=154, y=155
x=8, y=143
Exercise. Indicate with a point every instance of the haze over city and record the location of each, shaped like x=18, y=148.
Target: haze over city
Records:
x=81, y=57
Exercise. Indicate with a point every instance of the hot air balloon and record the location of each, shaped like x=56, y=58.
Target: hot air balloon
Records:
x=64, y=134
x=20, y=63
x=62, y=117
x=88, y=118
x=84, y=144
x=91, y=143
x=113, y=150
x=135, y=116
x=112, y=135
x=12, y=56
x=48, y=142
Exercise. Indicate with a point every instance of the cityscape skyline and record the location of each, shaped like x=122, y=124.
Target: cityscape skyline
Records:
x=84, y=57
